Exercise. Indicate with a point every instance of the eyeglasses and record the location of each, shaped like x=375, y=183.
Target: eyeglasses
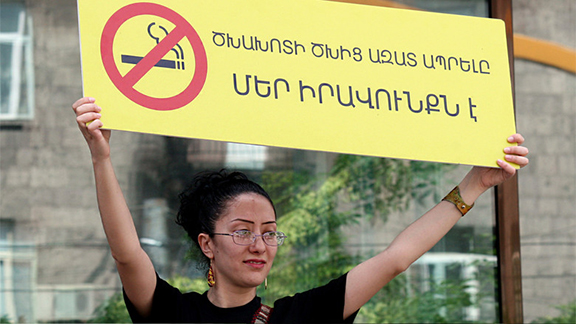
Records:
x=245, y=237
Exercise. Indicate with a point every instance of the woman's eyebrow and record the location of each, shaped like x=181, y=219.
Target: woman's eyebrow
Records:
x=250, y=222
x=241, y=220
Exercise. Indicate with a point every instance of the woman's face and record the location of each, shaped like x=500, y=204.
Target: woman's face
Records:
x=237, y=265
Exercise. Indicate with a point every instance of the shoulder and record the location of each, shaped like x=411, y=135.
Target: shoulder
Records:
x=166, y=294
x=324, y=304
x=168, y=305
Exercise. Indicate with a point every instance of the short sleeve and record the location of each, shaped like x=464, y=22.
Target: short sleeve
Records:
x=167, y=305
x=324, y=304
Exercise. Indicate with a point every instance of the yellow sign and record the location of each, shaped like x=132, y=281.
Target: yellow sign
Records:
x=307, y=74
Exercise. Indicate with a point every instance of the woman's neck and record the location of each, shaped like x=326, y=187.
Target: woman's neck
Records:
x=227, y=298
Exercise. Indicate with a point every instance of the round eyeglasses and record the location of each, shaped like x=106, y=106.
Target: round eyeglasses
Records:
x=245, y=237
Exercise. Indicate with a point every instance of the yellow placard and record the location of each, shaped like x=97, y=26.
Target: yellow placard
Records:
x=307, y=74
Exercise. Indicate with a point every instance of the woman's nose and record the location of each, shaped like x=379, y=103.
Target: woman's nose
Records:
x=258, y=246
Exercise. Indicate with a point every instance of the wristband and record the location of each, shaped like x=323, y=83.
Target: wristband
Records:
x=455, y=198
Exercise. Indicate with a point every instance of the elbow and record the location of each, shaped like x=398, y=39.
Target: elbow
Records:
x=398, y=262
x=119, y=258
x=401, y=267
x=127, y=257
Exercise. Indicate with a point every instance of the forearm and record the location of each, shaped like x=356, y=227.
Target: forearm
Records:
x=407, y=247
x=134, y=266
x=422, y=235
x=116, y=217
x=367, y=278
x=425, y=232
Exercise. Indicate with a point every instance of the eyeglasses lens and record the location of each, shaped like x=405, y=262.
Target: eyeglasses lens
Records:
x=247, y=238
x=243, y=237
x=274, y=238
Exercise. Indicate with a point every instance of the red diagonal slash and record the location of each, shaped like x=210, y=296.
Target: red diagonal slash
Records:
x=157, y=53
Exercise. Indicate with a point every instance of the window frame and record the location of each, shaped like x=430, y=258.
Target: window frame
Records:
x=507, y=206
x=22, y=62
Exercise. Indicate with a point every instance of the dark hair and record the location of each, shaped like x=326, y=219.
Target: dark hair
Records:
x=204, y=201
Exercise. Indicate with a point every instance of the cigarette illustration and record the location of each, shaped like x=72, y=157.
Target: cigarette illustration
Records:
x=170, y=64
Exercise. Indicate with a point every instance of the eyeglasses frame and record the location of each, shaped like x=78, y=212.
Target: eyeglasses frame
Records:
x=282, y=235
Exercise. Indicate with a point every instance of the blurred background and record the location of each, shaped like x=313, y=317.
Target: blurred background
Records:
x=55, y=265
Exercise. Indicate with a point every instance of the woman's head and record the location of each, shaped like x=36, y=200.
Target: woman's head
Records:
x=209, y=197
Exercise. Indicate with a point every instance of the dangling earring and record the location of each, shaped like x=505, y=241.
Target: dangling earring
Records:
x=265, y=283
x=210, y=277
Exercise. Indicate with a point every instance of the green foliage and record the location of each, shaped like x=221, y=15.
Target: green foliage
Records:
x=5, y=319
x=113, y=310
x=425, y=177
x=403, y=301
x=185, y=284
x=314, y=210
x=567, y=315
x=311, y=212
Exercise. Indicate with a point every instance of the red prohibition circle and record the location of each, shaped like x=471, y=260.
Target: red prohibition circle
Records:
x=126, y=83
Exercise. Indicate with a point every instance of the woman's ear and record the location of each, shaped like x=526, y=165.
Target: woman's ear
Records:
x=205, y=242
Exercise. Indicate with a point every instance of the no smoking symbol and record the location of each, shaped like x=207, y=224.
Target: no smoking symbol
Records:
x=126, y=83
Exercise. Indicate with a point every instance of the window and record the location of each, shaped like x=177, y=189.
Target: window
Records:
x=17, y=273
x=6, y=237
x=16, y=63
x=244, y=156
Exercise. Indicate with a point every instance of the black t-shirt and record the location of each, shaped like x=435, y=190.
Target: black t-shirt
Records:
x=319, y=305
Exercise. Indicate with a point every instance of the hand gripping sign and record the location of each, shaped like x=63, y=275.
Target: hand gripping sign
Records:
x=307, y=74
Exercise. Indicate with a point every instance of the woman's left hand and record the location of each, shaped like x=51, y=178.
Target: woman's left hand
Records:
x=490, y=177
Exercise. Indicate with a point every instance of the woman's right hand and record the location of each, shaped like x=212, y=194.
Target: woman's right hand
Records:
x=88, y=119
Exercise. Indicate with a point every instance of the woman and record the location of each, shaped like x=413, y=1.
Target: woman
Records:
x=233, y=222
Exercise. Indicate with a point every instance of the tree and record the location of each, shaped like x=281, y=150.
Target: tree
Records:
x=311, y=211
x=314, y=210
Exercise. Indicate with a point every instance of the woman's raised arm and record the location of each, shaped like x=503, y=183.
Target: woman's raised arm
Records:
x=366, y=279
x=134, y=266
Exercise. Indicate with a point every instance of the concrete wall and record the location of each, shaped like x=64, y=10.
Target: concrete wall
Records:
x=47, y=185
x=546, y=115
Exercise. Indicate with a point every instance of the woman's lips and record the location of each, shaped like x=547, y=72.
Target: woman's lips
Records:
x=255, y=263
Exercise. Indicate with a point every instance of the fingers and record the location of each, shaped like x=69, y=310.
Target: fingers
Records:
x=516, y=154
x=87, y=113
x=516, y=138
x=510, y=170
x=82, y=101
x=88, y=117
x=517, y=150
x=520, y=160
x=85, y=105
x=96, y=124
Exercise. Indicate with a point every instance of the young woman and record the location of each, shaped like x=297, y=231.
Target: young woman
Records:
x=233, y=222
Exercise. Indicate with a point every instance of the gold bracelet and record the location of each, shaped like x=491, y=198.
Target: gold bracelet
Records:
x=455, y=198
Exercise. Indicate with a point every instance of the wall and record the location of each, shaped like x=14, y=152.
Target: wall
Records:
x=546, y=115
x=47, y=185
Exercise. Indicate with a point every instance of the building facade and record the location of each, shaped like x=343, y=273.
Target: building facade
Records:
x=546, y=115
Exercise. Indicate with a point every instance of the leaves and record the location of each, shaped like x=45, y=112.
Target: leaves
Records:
x=567, y=315
x=113, y=310
x=315, y=209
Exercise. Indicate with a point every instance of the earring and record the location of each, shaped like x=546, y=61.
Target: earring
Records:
x=210, y=277
x=265, y=283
